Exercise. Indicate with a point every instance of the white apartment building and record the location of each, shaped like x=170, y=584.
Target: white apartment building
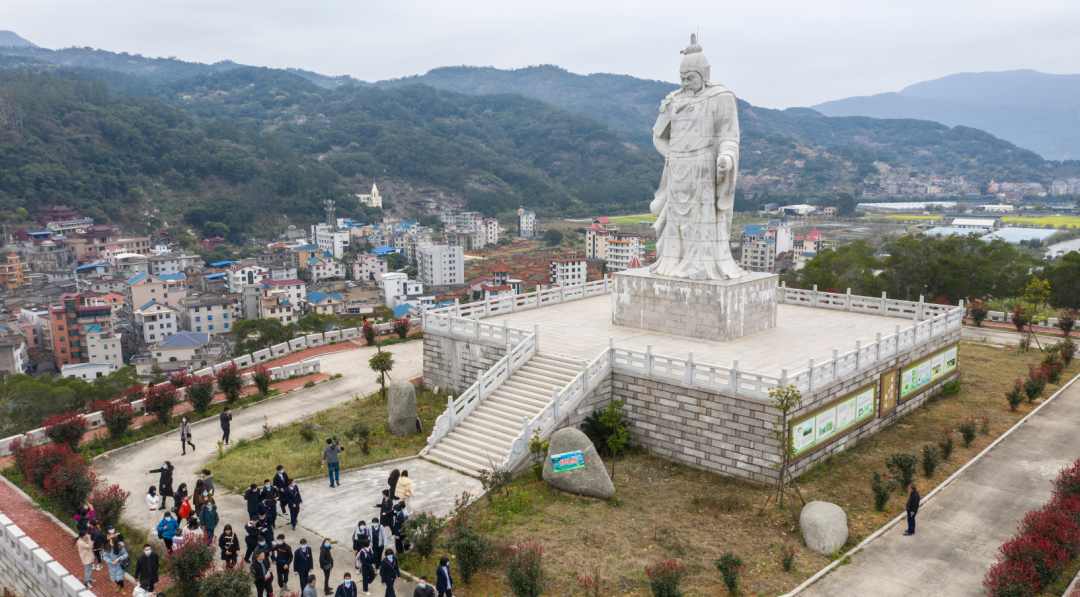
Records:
x=568, y=272
x=104, y=347
x=466, y=221
x=368, y=267
x=397, y=288
x=210, y=314
x=619, y=251
x=154, y=321
x=528, y=225
x=490, y=228
x=294, y=290
x=243, y=275
x=440, y=265
x=329, y=238
x=170, y=263
x=759, y=255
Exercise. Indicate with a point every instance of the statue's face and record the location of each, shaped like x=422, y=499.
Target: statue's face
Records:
x=691, y=81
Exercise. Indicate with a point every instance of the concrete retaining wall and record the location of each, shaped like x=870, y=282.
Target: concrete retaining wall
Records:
x=456, y=364
x=31, y=571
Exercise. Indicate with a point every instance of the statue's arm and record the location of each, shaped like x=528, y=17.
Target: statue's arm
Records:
x=727, y=129
x=661, y=138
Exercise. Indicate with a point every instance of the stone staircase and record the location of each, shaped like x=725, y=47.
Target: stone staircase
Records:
x=483, y=439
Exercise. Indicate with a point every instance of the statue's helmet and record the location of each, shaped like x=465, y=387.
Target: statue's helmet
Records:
x=694, y=61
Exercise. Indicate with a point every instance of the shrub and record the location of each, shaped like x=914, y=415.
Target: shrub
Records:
x=1068, y=481
x=200, y=393
x=1067, y=321
x=598, y=432
x=227, y=583
x=109, y=502
x=422, y=529
x=946, y=445
x=902, y=469
x=160, y=401
x=36, y=462
x=1052, y=366
x=538, y=449
x=788, y=553
x=665, y=576
x=309, y=384
x=524, y=569
x=1020, y=318
x=371, y=335
x=66, y=428
x=361, y=434
x=882, y=491
x=1011, y=579
x=731, y=568
x=967, y=432
x=181, y=381
x=118, y=416
x=471, y=550
x=930, y=459
x=591, y=584
x=1015, y=396
x=1055, y=525
x=70, y=482
x=1036, y=381
x=401, y=327
x=262, y=378
x=188, y=563
x=977, y=311
x=1066, y=351
x=135, y=392
x=230, y=382
x=1048, y=559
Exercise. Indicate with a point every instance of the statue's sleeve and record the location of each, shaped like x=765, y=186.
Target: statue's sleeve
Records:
x=663, y=120
x=728, y=127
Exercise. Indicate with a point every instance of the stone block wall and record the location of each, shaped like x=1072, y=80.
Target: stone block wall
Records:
x=456, y=364
x=730, y=435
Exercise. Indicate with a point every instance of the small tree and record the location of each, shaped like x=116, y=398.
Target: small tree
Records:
x=421, y=529
x=902, y=468
x=1016, y=395
x=1036, y=293
x=785, y=399
x=665, y=576
x=538, y=450
x=70, y=482
x=231, y=382
x=66, y=428
x=200, y=393
x=382, y=363
x=882, y=491
x=525, y=569
x=158, y=375
x=361, y=434
x=401, y=327
x=967, y=432
x=930, y=459
x=226, y=583
x=109, y=503
x=371, y=335
x=188, y=563
x=1020, y=318
x=617, y=431
x=731, y=568
x=978, y=311
x=262, y=378
x=470, y=549
x=946, y=444
x=118, y=417
x=36, y=462
x=1067, y=321
x=160, y=401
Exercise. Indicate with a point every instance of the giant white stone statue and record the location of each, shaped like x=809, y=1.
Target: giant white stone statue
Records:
x=698, y=134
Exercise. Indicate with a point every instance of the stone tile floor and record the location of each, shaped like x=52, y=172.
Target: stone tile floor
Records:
x=580, y=329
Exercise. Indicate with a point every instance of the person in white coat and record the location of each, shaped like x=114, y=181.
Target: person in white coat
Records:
x=153, y=502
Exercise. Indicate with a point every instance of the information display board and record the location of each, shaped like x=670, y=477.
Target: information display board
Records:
x=920, y=375
x=890, y=391
x=834, y=419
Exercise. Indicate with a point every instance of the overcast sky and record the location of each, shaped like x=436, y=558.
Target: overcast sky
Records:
x=771, y=53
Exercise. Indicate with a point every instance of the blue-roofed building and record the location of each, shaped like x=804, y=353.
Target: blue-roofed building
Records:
x=222, y=263
x=326, y=304
x=759, y=255
x=528, y=224
x=154, y=321
x=167, y=289
x=182, y=350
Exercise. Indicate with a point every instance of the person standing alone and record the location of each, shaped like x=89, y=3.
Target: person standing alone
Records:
x=185, y=436
x=226, y=422
x=912, y=509
x=330, y=459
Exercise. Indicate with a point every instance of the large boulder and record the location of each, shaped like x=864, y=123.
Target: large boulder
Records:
x=824, y=527
x=401, y=402
x=592, y=481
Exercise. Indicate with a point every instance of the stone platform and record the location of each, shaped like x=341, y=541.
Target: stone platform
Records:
x=721, y=310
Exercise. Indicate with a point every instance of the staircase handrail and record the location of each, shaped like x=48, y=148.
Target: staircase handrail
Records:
x=563, y=402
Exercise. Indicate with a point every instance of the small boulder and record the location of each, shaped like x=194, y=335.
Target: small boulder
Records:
x=401, y=402
x=824, y=527
x=592, y=481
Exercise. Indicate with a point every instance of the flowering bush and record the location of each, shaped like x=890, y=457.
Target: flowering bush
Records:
x=70, y=482
x=1048, y=559
x=1054, y=525
x=66, y=428
x=1067, y=483
x=35, y=462
x=230, y=382
x=401, y=327
x=525, y=569
x=118, y=416
x=181, y=381
x=1067, y=321
x=109, y=504
x=160, y=401
x=371, y=335
x=978, y=311
x=189, y=563
x=200, y=393
x=1036, y=381
x=1011, y=579
x=135, y=392
x=665, y=576
x=1020, y=318
x=262, y=378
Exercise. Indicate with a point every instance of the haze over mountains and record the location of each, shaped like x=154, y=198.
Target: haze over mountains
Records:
x=1034, y=110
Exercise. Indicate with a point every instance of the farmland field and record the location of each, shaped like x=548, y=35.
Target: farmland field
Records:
x=1054, y=221
x=902, y=217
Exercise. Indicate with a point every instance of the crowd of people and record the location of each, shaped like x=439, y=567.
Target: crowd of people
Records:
x=194, y=517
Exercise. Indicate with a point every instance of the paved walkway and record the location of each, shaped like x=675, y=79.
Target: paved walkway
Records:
x=325, y=512
x=1000, y=335
x=959, y=531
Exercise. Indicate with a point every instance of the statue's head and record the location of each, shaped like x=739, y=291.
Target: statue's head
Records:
x=694, y=70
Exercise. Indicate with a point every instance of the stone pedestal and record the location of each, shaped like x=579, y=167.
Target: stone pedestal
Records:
x=710, y=309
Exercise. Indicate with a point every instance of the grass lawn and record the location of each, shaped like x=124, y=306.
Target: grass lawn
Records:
x=1055, y=221
x=253, y=460
x=668, y=510
x=647, y=218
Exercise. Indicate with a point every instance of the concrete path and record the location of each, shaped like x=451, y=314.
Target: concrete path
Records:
x=1000, y=336
x=321, y=509
x=959, y=531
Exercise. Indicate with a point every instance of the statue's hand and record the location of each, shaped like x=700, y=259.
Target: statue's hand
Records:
x=724, y=164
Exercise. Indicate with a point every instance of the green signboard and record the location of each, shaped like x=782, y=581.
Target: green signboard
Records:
x=920, y=375
x=568, y=461
x=835, y=419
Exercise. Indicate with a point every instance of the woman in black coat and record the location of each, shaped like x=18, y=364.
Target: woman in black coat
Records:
x=392, y=481
x=165, y=484
x=326, y=563
x=230, y=547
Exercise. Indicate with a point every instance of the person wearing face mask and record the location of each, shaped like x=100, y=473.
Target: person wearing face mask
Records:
x=251, y=496
x=185, y=436
x=146, y=569
x=208, y=480
x=347, y=588
x=164, y=483
x=389, y=572
x=252, y=532
x=303, y=562
x=230, y=547
x=281, y=481
x=367, y=561
x=167, y=530
x=209, y=519
x=423, y=589
x=378, y=541
x=260, y=572
x=443, y=580
x=116, y=557
x=265, y=529
x=153, y=501
x=226, y=422
x=294, y=501
x=326, y=563
x=198, y=496
x=269, y=496
x=283, y=556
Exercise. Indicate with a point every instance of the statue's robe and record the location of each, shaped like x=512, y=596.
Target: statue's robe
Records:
x=694, y=209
